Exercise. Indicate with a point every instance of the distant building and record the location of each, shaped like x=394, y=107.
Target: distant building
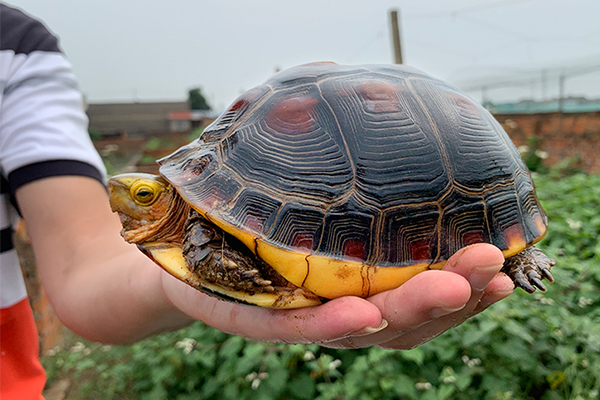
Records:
x=566, y=105
x=138, y=119
x=184, y=121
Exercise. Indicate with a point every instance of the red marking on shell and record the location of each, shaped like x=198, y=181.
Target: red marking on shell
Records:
x=253, y=223
x=233, y=112
x=515, y=237
x=419, y=250
x=380, y=97
x=466, y=104
x=293, y=115
x=211, y=200
x=196, y=167
x=540, y=224
x=190, y=170
x=303, y=240
x=473, y=237
x=238, y=104
x=354, y=248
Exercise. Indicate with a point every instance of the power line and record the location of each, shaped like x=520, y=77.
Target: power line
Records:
x=535, y=76
x=465, y=10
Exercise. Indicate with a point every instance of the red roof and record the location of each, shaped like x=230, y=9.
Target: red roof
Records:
x=180, y=115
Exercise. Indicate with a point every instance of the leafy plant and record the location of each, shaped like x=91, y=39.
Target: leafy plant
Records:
x=541, y=346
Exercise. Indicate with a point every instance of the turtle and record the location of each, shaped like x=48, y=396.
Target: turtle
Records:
x=330, y=180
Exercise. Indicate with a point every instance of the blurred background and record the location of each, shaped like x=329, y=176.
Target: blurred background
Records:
x=154, y=74
x=499, y=51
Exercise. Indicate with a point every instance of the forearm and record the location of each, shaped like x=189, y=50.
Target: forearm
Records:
x=119, y=299
x=101, y=287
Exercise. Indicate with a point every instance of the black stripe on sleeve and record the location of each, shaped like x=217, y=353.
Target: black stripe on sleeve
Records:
x=47, y=169
x=24, y=34
x=6, y=242
x=4, y=186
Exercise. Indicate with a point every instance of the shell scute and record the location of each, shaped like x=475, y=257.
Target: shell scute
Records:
x=299, y=226
x=405, y=233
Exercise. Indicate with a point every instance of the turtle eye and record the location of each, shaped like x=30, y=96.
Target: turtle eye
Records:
x=144, y=194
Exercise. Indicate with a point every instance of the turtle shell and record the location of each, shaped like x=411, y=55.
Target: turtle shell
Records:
x=352, y=179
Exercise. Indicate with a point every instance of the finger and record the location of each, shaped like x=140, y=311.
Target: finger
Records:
x=478, y=263
x=499, y=288
x=496, y=290
x=334, y=319
x=426, y=296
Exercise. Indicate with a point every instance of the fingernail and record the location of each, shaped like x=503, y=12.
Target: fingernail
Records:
x=369, y=330
x=441, y=311
x=480, y=277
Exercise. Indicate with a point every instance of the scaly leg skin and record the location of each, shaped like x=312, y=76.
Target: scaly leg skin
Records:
x=221, y=259
x=528, y=268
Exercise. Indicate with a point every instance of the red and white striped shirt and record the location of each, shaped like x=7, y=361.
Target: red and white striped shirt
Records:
x=43, y=133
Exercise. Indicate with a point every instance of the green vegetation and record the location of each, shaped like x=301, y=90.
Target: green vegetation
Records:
x=197, y=100
x=159, y=143
x=95, y=135
x=541, y=346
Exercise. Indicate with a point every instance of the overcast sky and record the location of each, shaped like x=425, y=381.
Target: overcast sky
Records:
x=124, y=50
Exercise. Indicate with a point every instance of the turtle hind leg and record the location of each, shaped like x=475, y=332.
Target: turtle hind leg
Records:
x=528, y=268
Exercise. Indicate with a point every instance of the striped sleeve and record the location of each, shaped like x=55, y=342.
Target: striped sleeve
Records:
x=43, y=126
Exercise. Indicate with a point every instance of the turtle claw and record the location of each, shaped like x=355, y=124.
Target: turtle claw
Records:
x=538, y=283
x=528, y=268
x=525, y=285
x=547, y=274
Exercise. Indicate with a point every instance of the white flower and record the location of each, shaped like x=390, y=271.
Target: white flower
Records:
x=543, y=300
x=308, y=356
x=465, y=359
x=473, y=362
x=51, y=352
x=559, y=332
x=583, y=302
x=78, y=347
x=251, y=376
x=547, y=301
x=255, y=384
x=423, y=385
x=575, y=225
x=541, y=154
x=334, y=364
x=186, y=344
x=585, y=363
x=449, y=379
x=523, y=149
x=263, y=375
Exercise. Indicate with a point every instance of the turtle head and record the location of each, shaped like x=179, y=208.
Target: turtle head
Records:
x=139, y=199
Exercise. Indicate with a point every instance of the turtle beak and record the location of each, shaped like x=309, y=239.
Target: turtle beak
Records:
x=119, y=195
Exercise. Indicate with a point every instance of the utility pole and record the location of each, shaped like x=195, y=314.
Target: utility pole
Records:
x=396, y=37
x=484, y=97
x=544, y=84
x=561, y=92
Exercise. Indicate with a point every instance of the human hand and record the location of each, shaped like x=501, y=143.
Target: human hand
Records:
x=421, y=309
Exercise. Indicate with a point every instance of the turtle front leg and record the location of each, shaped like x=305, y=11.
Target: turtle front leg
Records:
x=528, y=268
x=219, y=258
